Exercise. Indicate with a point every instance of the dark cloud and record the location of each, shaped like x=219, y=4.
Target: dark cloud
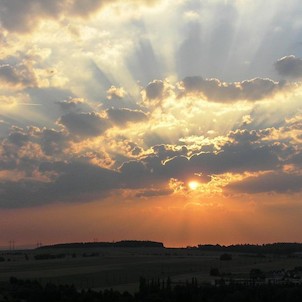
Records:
x=74, y=105
x=19, y=75
x=18, y=138
x=244, y=152
x=295, y=158
x=70, y=105
x=123, y=116
x=53, y=142
x=78, y=177
x=76, y=181
x=84, y=124
x=155, y=90
x=154, y=193
x=23, y=16
x=246, y=136
x=217, y=91
x=278, y=182
x=23, y=158
x=289, y=66
x=165, y=152
x=236, y=159
x=140, y=174
x=145, y=173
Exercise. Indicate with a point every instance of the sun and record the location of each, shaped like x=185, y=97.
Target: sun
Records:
x=193, y=185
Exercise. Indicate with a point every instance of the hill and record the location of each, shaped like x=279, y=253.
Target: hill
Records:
x=121, y=244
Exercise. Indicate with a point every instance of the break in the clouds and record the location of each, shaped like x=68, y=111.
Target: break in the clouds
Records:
x=125, y=103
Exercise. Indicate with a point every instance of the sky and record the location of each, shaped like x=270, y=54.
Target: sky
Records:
x=177, y=121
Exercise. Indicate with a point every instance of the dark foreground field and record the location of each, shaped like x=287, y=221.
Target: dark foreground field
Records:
x=121, y=268
x=152, y=291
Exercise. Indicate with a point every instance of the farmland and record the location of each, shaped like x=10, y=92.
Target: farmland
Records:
x=120, y=268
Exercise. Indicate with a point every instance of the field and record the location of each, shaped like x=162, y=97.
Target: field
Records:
x=120, y=268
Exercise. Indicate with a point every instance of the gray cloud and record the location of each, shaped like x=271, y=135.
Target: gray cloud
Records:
x=154, y=193
x=69, y=105
x=18, y=138
x=84, y=124
x=51, y=176
x=24, y=149
x=155, y=90
x=243, y=152
x=52, y=141
x=278, y=182
x=75, y=182
x=123, y=116
x=217, y=91
x=19, y=75
x=23, y=16
x=237, y=159
x=165, y=152
x=289, y=66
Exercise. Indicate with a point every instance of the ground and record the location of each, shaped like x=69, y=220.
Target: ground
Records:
x=120, y=268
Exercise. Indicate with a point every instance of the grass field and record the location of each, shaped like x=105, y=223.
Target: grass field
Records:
x=120, y=268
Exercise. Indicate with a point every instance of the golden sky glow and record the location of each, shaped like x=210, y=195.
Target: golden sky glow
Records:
x=150, y=120
x=193, y=185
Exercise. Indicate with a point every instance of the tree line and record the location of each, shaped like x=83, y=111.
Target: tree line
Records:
x=154, y=290
x=281, y=248
x=123, y=243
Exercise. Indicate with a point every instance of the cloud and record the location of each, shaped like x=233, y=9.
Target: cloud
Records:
x=20, y=75
x=154, y=193
x=289, y=66
x=123, y=116
x=156, y=93
x=24, y=16
x=18, y=138
x=52, y=141
x=75, y=181
x=116, y=93
x=48, y=171
x=70, y=105
x=296, y=159
x=84, y=124
x=165, y=152
x=217, y=91
x=243, y=152
x=155, y=90
x=278, y=182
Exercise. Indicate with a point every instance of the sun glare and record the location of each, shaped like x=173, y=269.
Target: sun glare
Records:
x=193, y=185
